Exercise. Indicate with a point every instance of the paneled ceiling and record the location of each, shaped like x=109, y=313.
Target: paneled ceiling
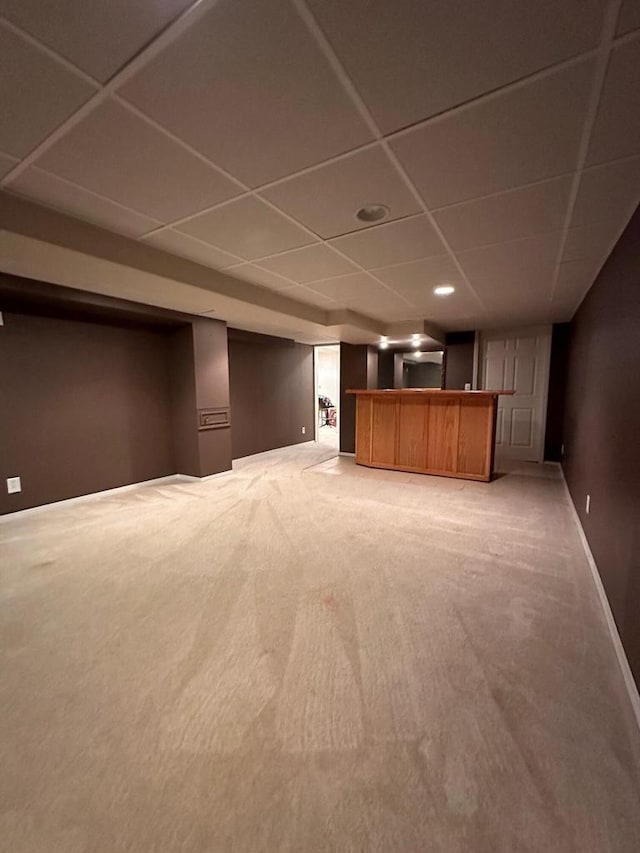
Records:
x=503, y=136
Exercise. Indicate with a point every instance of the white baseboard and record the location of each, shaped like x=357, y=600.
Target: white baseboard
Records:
x=632, y=687
x=105, y=493
x=344, y=453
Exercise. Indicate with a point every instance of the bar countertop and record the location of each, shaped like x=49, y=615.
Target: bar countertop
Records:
x=440, y=392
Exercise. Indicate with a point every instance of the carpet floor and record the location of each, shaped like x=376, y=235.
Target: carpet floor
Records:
x=306, y=655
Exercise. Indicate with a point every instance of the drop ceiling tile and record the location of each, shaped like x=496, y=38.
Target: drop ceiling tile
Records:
x=248, y=228
x=392, y=243
x=309, y=264
x=36, y=94
x=562, y=310
x=249, y=88
x=117, y=154
x=591, y=241
x=444, y=311
x=523, y=212
x=574, y=280
x=629, y=17
x=326, y=198
x=99, y=39
x=608, y=193
x=188, y=247
x=54, y=192
x=525, y=134
x=256, y=275
x=359, y=287
x=416, y=280
x=616, y=132
x=411, y=59
x=508, y=269
x=375, y=299
x=6, y=164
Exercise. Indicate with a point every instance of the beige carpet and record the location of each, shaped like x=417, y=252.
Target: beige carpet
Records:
x=311, y=656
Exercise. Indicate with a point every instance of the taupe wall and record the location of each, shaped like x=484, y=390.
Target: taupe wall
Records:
x=554, y=432
x=85, y=407
x=602, y=430
x=358, y=369
x=272, y=393
x=424, y=375
x=98, y=392
x=200, y=381
x=386, y=376
x=458, y=360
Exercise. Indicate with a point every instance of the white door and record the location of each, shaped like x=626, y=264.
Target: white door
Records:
x=518, y=360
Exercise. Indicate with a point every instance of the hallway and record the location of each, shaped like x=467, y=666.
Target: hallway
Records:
x=306, y=655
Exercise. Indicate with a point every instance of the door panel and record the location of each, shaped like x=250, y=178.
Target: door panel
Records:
x=412, y=444
x=442, y=434
x=525, y=372
x=473, y=449
x=518, y=360
x=383, y=431
x=522, y=428
x=495, y=371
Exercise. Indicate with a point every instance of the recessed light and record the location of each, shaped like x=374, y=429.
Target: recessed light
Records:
x=415, y=337
x=444, y=290
x=372, y=213
x=417, y=353
x=384, y=344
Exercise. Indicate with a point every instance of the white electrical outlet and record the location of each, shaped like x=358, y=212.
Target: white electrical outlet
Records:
x=588, y=505
x=304, y=430
x=14, y=485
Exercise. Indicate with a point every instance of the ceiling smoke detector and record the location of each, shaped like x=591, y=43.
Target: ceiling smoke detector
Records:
x=372, y=213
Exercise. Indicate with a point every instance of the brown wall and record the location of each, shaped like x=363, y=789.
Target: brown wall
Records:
x=358, y=369
x=602, y=430
x=458, y=360
x=272, y=393
x=554, y=433
x=200, y=381
x=85, y=407
x=386, y=377
x=424, y=375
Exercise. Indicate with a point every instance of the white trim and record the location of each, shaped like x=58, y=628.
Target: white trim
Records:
x=92, y=496
x=625, y=669
x=316, y=410
x=344, y=453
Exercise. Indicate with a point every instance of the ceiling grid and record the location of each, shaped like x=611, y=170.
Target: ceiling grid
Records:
x=486, y=172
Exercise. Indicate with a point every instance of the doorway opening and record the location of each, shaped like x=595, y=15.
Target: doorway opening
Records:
x=327, y=394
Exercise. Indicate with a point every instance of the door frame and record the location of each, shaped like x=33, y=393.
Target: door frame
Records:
x=316, y=408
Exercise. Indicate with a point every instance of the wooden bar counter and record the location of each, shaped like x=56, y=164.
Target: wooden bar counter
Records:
x=427, y=431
